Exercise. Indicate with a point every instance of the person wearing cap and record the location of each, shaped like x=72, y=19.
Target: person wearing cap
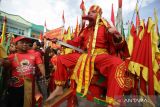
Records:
x=12, y=48
x=100, y=41
x=22, y=65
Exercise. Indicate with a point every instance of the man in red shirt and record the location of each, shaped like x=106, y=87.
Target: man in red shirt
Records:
x=22, y=65
x=100, y=41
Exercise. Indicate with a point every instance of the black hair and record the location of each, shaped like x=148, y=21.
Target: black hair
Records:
x=38, y=43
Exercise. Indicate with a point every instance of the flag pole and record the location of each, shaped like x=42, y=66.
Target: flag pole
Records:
x=82, y=7
x=3, y=37
x=63, y=20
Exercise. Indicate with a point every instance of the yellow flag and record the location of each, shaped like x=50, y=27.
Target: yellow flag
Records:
x=155, y=16
x=3, y=53
x=67, y=37
x=141, y=33
x=131, y=39
x=156, y=21
x=3, y=31
x=154, y=41
x=130, y=44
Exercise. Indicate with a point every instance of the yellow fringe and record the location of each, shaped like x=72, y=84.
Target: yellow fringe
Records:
x=135, y=69
x=80, y=80
x=87, y=69
x=83, y=64
x=60, y=82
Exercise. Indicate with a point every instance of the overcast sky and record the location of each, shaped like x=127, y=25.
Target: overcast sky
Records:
x=37, y=11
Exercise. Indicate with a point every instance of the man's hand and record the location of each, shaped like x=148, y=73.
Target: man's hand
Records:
x=115, y=33
x=112, y=30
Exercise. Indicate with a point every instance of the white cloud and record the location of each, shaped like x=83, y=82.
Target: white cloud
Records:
x=37, y=11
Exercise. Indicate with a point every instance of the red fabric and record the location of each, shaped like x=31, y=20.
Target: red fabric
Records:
x=54, y=60
x=112, y=16
x=21, y=38
x=105, y=63
x=104, y=40
x=94, y=91
x=41, y=36
x=82, y=5
x=37, y=53
x=120, y=3
x=143, y=84
x=142, y=54
x=137, y=20
x=149, y=64
x=76, y=30
x=25, y=63
x=135, y=43
x=96, y=8
x=55, y=33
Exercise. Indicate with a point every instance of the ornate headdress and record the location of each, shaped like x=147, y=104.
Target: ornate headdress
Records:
x=96, y=8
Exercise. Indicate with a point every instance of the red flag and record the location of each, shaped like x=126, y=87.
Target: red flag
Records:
x=63, y=17
x=112, y=16
x=41, y=36
x=55, y=33
x=82, y=5
x=142, y=55
x=146, y=58
x=77, y=29
x=143, y=84
x=137, y=20
x=120, y=3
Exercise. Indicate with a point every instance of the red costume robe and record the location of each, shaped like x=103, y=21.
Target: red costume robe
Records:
x=106, y=63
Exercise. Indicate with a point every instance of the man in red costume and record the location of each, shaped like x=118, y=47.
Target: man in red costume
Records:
x=99, y=41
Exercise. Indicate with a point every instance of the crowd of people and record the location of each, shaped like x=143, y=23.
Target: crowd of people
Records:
x=24, y=65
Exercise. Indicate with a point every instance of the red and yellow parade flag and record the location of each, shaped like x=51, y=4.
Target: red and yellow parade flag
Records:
x=41, y=36
x=143, y=62
x=82, y=7
x=55, y=33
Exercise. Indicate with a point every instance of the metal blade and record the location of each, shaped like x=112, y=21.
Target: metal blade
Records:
x=70, y=46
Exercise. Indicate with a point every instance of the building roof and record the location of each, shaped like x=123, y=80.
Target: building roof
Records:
x=20, y=19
